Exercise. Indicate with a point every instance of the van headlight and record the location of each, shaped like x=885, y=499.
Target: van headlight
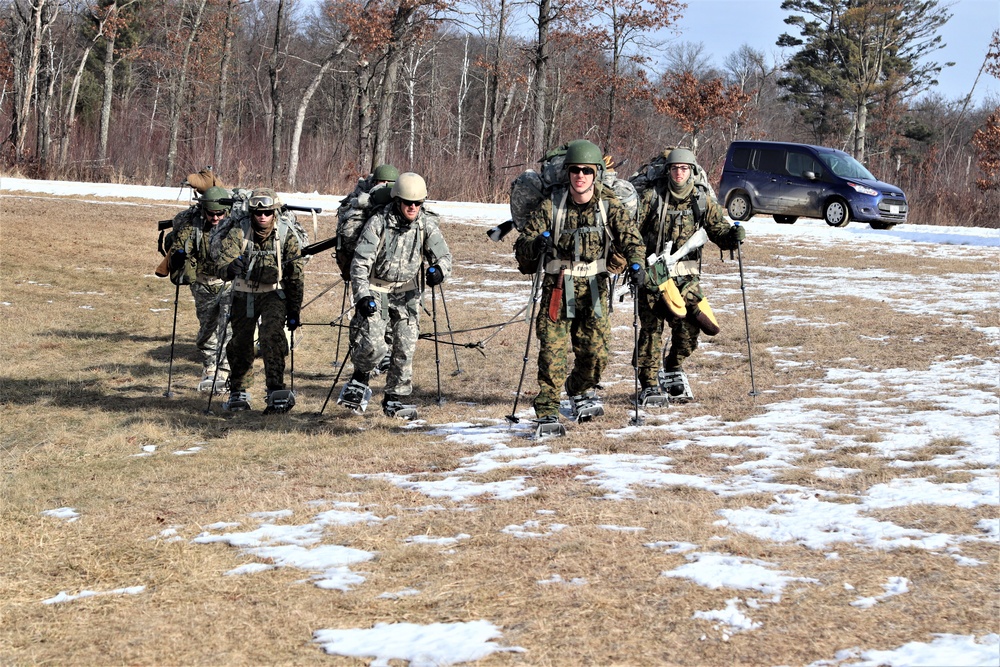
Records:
x=862, y=189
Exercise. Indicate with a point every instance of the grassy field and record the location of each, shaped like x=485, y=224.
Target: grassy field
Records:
x=86, y=340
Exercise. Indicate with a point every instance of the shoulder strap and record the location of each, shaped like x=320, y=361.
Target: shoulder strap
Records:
x=558, y=211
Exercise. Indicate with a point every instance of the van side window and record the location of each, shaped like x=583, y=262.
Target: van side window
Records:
x=771, y=161
x=799, y=163
x=741, y=158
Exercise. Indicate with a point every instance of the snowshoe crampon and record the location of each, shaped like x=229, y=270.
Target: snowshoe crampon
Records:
x=216, y=385
x=586, y=407
x=355, y=396
x=652, y=397
x=398, y=409
x=548, y=427
x=279, y=401
x=676, y=386
x=237, y=401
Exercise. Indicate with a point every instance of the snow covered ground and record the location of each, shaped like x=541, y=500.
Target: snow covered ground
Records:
x=966, y=409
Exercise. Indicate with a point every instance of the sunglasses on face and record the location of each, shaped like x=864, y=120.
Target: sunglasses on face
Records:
x=407, y=202
x=214, y=214
x=264, y=214
x=586, y=171
x=261, y=202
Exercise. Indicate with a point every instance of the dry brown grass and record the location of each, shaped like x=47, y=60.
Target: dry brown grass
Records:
x=82, y=394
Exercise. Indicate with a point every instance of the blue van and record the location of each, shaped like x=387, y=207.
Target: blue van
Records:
x=790, y=181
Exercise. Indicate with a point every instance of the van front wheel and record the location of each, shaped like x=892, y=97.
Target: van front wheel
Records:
x=836, y=213
x=739, y=207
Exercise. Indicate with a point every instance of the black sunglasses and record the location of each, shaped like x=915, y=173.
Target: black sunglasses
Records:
x=586, y=171
x=408, y=202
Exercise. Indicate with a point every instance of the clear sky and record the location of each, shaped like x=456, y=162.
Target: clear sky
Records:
x=723, y=25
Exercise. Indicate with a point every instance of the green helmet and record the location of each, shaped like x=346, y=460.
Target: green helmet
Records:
x=210, y=199
x=582, y=151
x=409, y=186
x=385, y=172
x=681, y=156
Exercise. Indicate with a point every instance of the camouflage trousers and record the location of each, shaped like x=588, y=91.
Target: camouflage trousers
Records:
x=683, y=333
x=211, y=303
x=246, y=309
x=589, y=336
x=393, y=328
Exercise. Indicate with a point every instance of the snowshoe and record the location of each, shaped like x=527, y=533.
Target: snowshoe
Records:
x=393, y=407
x=355, y=396
x=549, y=427
x=676, y=386
x=652, y=397
x=279, y=401
x=237, y=401
x=383, y=366
x=215, y=384
x=586, y=406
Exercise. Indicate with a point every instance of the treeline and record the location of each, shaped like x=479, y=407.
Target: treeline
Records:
x=308, y=96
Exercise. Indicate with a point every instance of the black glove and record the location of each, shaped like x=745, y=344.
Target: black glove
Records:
x=542, y=243
x=292, y=320
x=367, y=306
x=737, y=233
x=177, y=258
x=235, y=268
x=636, y=275
x=435, y=276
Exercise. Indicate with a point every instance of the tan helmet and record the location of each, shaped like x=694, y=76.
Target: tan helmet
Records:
x=264, y=199
x=409, y=186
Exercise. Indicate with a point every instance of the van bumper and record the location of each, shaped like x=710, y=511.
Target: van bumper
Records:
x=892, y=209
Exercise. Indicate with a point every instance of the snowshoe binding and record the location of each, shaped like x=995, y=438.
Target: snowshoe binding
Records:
x=215, y=384
x=355, y=396
x=393, y=407
x=653, y=397
x=238, y=401
x=279, y=401
x=383, y=365
x=586, y=406
x=548, y=427
x=676, y=386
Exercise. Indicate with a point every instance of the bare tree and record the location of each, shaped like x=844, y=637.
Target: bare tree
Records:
x=34, y=19
x=179, y=89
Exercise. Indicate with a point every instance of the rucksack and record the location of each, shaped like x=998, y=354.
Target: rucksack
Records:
x=353, y=213
x=530, y=187
x=657, y=169
x=286, y=222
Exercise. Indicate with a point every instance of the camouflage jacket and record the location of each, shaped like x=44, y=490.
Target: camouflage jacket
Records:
x=582, y=237
x=391, y=250
x=263, y=271
x=664, y=219
x=191, y=233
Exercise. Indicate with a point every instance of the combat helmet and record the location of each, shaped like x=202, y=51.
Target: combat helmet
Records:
x=385, y=172
x=681, y=156
x=212, y=199
x=582, y=151
x=263, y=199
x=409, y=186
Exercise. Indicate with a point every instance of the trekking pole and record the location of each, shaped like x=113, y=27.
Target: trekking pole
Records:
x=637, y=420
x=746, y=317
x=340, y=330
x=437, y=356
x=512, y=417
x=218, y=355
x=335, y=380
x=173, y=336
x=291, y=361
x=447, y=321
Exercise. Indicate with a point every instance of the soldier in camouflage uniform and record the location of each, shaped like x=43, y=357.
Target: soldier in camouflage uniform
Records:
x=386, y=283
x=261, y=254
x=590, y=223
x=672, y=211
x=190, y=254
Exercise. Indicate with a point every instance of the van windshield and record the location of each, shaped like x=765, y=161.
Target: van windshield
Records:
x=845, y=166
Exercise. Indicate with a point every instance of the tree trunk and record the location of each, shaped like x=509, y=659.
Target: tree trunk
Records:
x=109, y=85
x=300, y=116
x=177, y=97
x=383, y=113
x=541, y=75
x=25, y=79
x=860, y=128
x=276, y=104
x=220, y=105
